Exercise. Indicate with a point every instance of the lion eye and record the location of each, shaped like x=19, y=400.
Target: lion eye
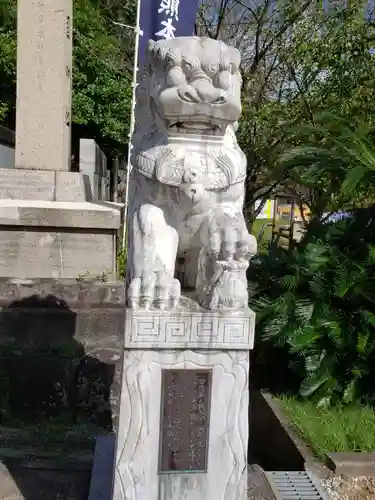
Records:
x=214, y=68
x=187, y=67
x=170, y=63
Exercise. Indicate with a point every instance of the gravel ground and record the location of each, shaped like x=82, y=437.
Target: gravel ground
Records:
x=355, y=488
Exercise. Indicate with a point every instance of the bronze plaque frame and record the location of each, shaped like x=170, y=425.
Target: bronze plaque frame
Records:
x=184, y=420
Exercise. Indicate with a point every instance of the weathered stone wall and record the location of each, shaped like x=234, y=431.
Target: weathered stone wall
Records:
x=60, y=351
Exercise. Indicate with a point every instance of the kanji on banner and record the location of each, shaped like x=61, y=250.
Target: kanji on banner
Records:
x=163, y=19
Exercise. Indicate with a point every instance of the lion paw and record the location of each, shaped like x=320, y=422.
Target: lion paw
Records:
x=154, y=290
x=229, y=239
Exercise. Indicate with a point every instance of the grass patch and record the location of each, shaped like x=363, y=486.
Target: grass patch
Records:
x=267, y=235
x=257, y=226
x=338, y=429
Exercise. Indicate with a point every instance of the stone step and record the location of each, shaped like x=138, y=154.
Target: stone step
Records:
x=22, y=483
x=352, y=464
x=32, y=472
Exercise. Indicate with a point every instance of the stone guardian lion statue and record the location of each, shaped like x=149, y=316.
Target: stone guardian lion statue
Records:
x=186, y=227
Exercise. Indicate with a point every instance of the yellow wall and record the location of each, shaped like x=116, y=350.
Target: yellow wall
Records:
x=282, y=210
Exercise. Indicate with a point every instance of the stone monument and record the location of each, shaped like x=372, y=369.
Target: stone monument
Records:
x=44, y=84
x=183, y=425
x=49, y=228
x=93, y=163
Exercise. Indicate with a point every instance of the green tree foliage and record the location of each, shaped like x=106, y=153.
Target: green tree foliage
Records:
x=317, y=299
x=102, y=77
x=299, y=58
x=333, y=161
x=102, y=69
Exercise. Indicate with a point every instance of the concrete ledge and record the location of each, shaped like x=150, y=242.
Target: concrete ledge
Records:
x=44, y=480
x=275, y=442
x=41, y=239
x=76, y=295
x=351, y=464
x=29, y=458
x=59, y=214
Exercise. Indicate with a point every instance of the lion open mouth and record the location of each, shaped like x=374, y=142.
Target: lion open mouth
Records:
x=195, y=127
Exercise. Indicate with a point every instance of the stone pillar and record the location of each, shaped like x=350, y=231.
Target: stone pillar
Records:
x=114, y=183
x=44, y=73
x=108, y=186
x=183, y=427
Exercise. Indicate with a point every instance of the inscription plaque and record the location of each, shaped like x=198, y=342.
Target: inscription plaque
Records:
x=185, y=411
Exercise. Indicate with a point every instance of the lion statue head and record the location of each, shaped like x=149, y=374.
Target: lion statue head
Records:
x=189, y=90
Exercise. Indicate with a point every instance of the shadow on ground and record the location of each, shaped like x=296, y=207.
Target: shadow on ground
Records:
x=54, y=399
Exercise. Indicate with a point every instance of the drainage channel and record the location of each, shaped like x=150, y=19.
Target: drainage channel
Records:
x=296, y=485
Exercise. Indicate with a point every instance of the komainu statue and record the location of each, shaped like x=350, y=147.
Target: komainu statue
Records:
x=186, y=227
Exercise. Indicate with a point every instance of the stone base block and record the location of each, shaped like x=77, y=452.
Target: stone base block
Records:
x=183, y=426
x=47, y=239
x=198, y=329
x=137, y=473
x=61, y=344
x=47, y=185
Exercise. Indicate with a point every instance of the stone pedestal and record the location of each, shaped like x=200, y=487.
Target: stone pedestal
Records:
x=49, y=228
x=183, y=427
